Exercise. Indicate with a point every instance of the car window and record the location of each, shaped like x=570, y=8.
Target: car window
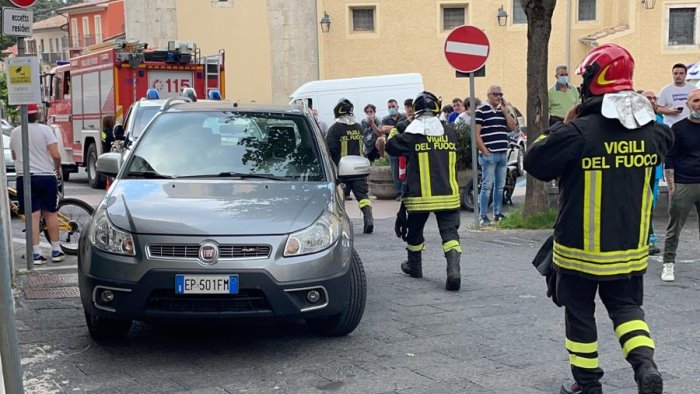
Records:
x=141, y=119
x=191, y=144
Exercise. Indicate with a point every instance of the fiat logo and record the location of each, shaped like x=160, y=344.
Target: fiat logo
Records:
x=208, y=252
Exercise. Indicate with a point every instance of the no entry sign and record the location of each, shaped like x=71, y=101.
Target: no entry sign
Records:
x=467, y=48
x=23, y=3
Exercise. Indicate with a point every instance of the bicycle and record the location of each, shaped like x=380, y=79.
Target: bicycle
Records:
x=73, y=217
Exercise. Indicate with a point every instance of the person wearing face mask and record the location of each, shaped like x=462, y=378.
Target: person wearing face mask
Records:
x=388, y=123
x=683, y=179
x=370, y=126
x=562, y=96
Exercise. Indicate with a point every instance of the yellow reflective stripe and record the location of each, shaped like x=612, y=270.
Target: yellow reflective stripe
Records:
x=432, y=206
x=638, y=341
x=453, y=173
x=633, y=325
x=343, y=148
x=393, y=133
x=580, y=347
x=601, y=257
x=449, y=245
x=644, y=218
x=601, y=269
x=583, y=362
x=424, y=166
x=415, y=248
x=540, y=138
x=364, y=202
x=592, y=188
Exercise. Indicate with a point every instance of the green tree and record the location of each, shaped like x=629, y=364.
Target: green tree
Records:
x=539, y=28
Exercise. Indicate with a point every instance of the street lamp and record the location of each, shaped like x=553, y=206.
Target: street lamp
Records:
x=502, y=16
x=649, y=4
x=325, y=22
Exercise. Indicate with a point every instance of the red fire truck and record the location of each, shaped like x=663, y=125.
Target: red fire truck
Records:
x=105, y=82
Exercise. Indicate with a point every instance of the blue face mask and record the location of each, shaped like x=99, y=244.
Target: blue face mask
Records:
x=695, y=115
x=563, y=80
x=393, y=111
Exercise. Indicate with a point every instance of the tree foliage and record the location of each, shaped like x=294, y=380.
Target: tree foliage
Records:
x=539, y=28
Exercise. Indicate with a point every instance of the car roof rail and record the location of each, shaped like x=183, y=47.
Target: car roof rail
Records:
x=172, y=101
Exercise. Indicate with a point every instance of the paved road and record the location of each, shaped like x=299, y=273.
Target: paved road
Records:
x=500, y=334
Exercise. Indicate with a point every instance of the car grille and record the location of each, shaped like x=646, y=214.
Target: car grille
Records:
x=192, y=251
x=165, y=300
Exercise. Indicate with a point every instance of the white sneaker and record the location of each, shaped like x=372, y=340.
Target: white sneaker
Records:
x=667, y=273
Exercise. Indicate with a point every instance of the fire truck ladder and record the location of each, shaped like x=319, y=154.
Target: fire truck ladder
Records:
x=212, y=70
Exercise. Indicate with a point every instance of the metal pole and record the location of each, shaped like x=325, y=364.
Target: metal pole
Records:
x=26, y=181
x=568, y=34
x=475, y=170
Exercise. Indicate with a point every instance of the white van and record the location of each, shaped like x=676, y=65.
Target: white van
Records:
x=323, y=95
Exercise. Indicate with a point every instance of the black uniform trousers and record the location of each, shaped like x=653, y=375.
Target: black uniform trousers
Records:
x=448, y=224
x=623, y=300
x=360, y=188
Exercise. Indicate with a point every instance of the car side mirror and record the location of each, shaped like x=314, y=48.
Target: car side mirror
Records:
x=118, y=132
x=109, y=163
x=352, y=167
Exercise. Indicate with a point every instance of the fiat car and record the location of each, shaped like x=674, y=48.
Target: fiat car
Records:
x=223, y=211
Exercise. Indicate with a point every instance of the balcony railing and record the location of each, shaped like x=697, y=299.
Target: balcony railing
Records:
x=85, y=41
x=50, y=58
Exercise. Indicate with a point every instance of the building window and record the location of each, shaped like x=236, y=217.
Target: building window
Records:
x=518, y=12
x=41, y=48
x=74, y=35
x=363, y=19
x=586, y=10
x=681, y=26
x=453, y=16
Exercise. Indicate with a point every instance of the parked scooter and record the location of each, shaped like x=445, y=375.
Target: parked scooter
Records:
x=514, y=170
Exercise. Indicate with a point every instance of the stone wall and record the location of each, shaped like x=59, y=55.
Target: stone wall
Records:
x=151, y=21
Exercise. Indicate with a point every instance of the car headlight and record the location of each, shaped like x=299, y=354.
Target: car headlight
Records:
x=110, y=239
x=315, y=238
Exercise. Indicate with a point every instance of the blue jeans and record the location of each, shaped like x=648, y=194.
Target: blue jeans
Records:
x=493, y=170
x=394, y=162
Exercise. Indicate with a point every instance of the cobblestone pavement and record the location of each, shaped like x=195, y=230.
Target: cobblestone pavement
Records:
x=500, y=334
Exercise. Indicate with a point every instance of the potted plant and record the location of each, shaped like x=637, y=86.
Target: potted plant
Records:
x=381, y=183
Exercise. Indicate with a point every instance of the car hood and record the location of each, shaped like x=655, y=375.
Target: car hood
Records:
x=190, y=207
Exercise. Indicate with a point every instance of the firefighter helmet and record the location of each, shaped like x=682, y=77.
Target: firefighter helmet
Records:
x=344, y=107
x=607, y=69
x=427, y=102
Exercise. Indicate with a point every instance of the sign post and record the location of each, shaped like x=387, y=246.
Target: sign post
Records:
x=466, y=50
x=18, y=23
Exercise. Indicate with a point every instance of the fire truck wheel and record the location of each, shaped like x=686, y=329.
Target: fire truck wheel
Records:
x=97, y=181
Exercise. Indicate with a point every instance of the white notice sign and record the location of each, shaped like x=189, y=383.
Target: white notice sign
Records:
x=17, y=22
x=23, y=80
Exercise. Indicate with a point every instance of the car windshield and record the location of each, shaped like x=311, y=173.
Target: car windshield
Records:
x=143, y=116
x=227, y=144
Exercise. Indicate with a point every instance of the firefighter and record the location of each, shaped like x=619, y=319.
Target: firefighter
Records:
x=431, y=186
x=345, y=137
x=604, y=156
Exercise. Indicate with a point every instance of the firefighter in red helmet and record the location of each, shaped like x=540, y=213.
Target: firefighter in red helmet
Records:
x=604, y=156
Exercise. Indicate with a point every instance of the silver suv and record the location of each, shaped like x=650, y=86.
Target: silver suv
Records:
x=223, y=211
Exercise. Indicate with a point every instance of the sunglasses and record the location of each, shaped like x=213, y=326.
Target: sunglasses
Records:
x=496, y=94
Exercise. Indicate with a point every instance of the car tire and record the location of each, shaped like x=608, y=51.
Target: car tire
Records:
x=346, y=321
x=467, y=202
x=105, y=329
x=95, y=179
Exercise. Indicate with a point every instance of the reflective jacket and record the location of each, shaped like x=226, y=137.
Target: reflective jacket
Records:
x=344, y=140
x=431, y=169
x=605, y=173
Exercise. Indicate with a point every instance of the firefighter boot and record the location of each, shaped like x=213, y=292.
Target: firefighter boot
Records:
x=649, y=380
x=454, y=279
x=413, y=266
x=369, y=220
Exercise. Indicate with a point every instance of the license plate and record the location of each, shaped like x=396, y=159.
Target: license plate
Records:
x=206, y=284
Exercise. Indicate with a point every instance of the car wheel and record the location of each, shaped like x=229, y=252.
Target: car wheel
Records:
x=107, y=329
x=96, y=180
x=467, y=197
x=346, y=321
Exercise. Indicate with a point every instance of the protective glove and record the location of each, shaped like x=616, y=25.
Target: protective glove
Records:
x=401, y=224
x=551, y=279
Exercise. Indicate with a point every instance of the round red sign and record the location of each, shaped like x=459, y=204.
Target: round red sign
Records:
x=467, y=48
x=23, y=3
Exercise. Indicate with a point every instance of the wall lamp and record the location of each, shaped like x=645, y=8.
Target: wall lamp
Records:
x=502, y=16
x=325, y=22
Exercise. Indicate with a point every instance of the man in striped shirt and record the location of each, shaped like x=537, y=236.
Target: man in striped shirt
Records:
x=493, y=123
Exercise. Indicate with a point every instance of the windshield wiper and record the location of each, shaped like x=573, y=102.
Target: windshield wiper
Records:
x=237, y=175
x=149, y=175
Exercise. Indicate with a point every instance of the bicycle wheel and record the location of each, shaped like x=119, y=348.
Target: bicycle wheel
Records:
x=73, y=216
